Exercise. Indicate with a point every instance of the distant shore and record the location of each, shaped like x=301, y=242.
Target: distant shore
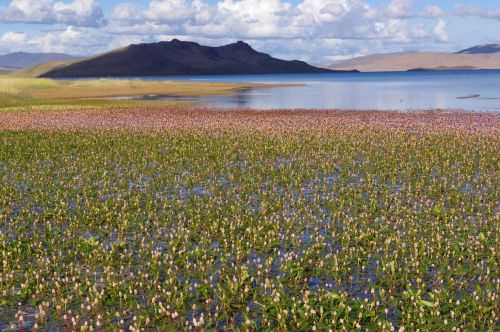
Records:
x=424, y=60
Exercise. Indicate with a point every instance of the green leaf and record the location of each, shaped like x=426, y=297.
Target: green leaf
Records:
x=427, y=303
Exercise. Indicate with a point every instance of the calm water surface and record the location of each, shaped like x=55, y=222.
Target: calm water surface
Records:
x=461, y=90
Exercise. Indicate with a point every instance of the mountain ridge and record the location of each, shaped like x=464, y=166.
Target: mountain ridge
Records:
x=175, y=57
x=22, y=60
x=481, y=49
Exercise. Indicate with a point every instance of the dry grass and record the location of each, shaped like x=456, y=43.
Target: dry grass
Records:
x=121, y=88
x=50, y=89
x=30, y=93
x=25, y=86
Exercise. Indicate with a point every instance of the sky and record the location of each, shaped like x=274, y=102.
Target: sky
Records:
x=318, y=31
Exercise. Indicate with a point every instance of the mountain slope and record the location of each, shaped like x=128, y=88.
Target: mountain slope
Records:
x=482, y=49
x=41, y=69
x=180, y=58
x=21, y=60
x=411, y=61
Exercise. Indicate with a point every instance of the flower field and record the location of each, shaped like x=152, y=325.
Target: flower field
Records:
x=257, y=221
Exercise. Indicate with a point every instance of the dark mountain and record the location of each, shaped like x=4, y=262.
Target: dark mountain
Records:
x=181, y=58
x=482, y=49
x=20, y=60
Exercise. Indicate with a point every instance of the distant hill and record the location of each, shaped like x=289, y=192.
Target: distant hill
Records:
x=180, y=58
x=482, y=49
x=21, y=60
x=420, y=61
x=41, y=69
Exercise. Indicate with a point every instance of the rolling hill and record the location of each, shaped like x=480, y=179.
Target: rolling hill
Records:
x=482, y=49
x=180, y=58
x=22, y=60
x=478, y=57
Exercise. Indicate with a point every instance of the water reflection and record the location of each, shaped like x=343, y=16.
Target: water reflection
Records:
x=364, y=91
x=240, y=99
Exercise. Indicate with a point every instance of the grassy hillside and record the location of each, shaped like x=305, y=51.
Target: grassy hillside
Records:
x=39, y=70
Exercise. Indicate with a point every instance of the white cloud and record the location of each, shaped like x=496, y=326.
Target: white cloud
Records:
x=399, y=8
x=127, y=13
x=13, y=38
x=310, y=29
x=77, y=12
x=320, y=12
x=170, y=11
x=440, y=32
x=433, y=11
x=262, y=19
x=476, y=11
x=250, y=19
x=28, y=11
x=337, y=19
x=72, y=40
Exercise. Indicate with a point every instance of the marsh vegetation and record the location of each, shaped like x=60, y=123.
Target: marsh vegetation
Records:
x=347, y=228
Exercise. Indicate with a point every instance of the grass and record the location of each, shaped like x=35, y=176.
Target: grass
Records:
x=41, y=69
x=239, y=230
x=16, y=103
x=19, y=93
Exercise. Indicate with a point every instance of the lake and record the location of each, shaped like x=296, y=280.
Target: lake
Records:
x=407, y=91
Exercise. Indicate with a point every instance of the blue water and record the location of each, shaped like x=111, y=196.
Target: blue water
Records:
x=407, y=91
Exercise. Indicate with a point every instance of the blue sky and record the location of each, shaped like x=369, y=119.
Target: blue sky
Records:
x=319, y=31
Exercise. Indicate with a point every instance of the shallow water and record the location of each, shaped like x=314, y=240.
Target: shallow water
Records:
x=407, y=91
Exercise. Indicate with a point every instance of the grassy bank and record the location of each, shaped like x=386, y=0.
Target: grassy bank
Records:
x=34, y=92
x=242, y=230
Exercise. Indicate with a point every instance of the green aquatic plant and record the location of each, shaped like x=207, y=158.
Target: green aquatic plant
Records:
x=335, y=230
